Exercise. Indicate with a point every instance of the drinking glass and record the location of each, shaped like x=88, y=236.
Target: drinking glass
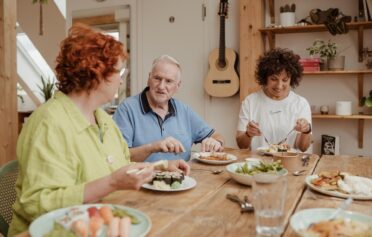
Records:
x=269, y=193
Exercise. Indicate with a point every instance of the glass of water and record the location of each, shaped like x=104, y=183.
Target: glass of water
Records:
x=269, y=194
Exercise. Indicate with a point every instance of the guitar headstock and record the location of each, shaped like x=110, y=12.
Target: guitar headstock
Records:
x=224, y=5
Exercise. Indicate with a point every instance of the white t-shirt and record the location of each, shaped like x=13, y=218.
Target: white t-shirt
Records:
x=275, y=117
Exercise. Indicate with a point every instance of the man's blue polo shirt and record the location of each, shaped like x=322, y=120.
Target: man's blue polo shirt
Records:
x=140, y=125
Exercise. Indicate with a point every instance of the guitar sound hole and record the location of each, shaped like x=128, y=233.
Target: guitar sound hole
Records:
x=221, y=81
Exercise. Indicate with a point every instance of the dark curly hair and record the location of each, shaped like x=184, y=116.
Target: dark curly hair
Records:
x=277, y=60
x=87, y=57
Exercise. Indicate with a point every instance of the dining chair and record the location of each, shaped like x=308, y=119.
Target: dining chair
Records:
x=8, y=177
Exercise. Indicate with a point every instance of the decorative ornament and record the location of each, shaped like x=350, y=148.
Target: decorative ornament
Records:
x=41, y=26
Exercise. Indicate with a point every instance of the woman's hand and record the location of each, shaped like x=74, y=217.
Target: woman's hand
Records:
x=179, y=165
x=303, y=126
x=253, y=129
x=124, y=179
x=211, y=144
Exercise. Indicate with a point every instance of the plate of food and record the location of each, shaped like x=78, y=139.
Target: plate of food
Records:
x=214, y=158
x=341, y=184
x=273, y=148
x=168, y=181
x=315, y=222
x=94, y=220
x=242, y=172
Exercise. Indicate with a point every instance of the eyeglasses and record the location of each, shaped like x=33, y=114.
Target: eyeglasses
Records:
x=124, y=73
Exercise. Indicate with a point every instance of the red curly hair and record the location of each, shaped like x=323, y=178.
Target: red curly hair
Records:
x=87, y=58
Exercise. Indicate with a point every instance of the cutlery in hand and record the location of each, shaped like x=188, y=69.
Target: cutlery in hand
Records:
x=286, y=137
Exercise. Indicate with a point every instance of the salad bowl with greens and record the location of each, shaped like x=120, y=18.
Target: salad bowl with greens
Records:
x=243, y=172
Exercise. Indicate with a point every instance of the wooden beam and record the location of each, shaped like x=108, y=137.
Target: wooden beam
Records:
x=360, y=133
x=251, y=44
x=272, y=11
x=8, y=81
x=96, y=20
x=360, y=43
x=360, y=88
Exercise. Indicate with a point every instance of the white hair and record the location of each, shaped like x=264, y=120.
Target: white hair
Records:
x=167, y=59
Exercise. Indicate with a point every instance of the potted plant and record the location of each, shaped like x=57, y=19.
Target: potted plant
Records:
x=287, y=15
x=366, y=102
x=328, y=54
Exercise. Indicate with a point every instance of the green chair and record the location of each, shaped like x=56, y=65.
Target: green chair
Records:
x=8, y=177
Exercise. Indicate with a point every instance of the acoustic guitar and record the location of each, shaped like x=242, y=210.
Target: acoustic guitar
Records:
x=222, y=79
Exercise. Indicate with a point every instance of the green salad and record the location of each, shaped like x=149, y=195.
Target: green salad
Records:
x=260, y=167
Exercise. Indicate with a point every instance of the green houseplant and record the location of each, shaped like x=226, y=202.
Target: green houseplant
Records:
x=327, y=51
x=366, y=102
x=47, y=88
x=287, y=15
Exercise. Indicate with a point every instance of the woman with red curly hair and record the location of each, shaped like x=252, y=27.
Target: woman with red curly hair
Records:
x=70, y=151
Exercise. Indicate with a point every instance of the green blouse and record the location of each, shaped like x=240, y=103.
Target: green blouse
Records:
x=58, y=152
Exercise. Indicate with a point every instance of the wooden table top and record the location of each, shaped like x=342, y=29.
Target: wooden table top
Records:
x=205, y=211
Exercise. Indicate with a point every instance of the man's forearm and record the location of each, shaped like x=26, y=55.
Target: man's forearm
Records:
x=140, y=153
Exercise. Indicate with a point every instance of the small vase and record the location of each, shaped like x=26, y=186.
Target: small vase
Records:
x=287, y=18
x=323, y=64
x=336, y=63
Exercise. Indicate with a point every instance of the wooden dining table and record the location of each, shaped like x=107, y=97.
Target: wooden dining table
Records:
x=205, y=211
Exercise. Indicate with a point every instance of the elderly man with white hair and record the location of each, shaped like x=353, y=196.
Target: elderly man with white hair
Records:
x=157, y=126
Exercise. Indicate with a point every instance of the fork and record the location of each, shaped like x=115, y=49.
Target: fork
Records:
x=286, y=137
x=268, y=143
x=266, y=140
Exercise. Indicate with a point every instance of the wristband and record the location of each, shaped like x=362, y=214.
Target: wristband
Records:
x=246, y=133
x=309, y=130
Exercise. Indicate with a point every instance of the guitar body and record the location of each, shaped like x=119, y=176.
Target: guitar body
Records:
x=222, y=81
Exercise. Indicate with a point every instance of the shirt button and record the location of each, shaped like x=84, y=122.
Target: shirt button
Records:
x=110, y=159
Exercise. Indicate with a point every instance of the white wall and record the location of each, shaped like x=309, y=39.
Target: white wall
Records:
x=54, y=27
x=222, y=113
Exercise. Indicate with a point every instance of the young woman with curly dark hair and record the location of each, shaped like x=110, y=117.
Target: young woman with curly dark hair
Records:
x=275, y=110
x=70, y=151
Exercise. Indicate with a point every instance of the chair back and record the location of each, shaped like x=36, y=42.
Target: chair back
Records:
x=8, y=177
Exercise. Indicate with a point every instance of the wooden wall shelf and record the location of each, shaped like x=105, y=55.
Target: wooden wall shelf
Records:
x=360, y=117
x=334, y=116
x=343, y=72
x=313, y=28
x=270, y=32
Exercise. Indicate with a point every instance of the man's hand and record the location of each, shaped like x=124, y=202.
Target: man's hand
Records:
x=169, y=144
x=211, y=144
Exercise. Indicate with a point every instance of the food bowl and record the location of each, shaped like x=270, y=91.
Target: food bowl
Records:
x=303, y=219
x=285, y=154
x=247, y=179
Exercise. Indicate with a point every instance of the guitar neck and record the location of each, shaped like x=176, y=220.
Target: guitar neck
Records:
x=221, y=54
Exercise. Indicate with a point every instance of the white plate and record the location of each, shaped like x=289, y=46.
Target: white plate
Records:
x=262, y=150
x=302, y=219
x=230, y=158
x=246, y=178
x=333, y=193
x=44, y=224
x=187, y=183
